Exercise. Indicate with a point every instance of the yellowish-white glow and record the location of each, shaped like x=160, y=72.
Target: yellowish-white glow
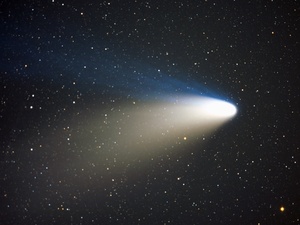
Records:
x=148, y=127
x=123, y=134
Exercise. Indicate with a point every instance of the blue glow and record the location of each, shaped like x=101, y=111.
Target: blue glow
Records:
x=102, y=69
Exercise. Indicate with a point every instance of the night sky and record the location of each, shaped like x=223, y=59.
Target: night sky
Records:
x=78, y=76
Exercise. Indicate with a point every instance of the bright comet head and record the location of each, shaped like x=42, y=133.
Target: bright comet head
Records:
x=218, y=108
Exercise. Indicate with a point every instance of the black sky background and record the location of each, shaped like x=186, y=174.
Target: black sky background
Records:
x=63, y=61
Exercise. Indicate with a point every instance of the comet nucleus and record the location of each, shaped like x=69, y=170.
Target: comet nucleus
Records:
x=219, y=108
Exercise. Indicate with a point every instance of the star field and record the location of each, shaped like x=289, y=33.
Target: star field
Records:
x=89, y=94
